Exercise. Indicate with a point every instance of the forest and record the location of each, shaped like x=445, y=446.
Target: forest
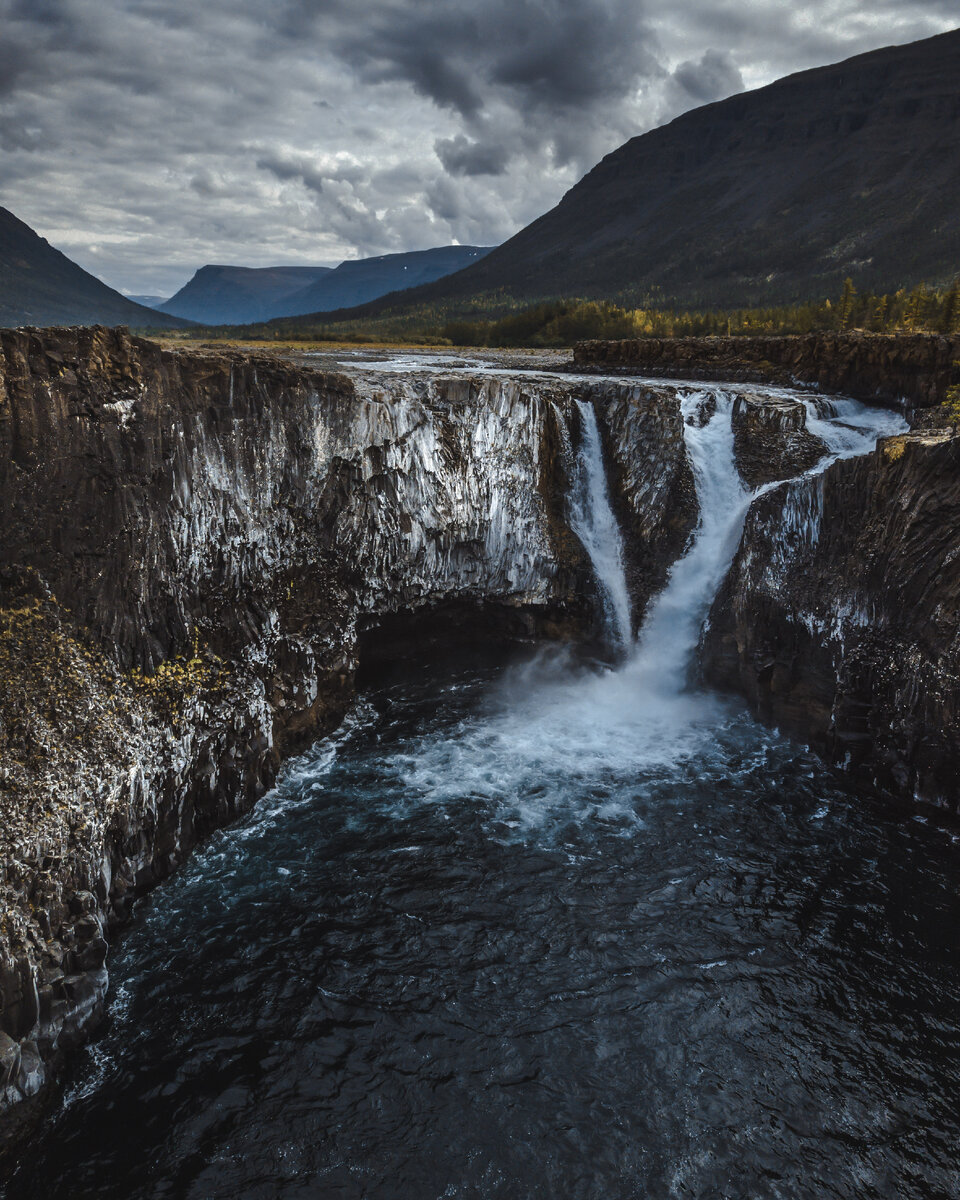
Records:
x=499, y=321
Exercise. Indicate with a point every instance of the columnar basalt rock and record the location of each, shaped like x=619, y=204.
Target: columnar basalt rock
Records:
x=651, y=482
x=771, y=440
x=912, y=371
x=192, y=544
x=840, y=616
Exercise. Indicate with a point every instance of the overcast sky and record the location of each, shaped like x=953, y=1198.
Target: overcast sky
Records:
x=145, y=138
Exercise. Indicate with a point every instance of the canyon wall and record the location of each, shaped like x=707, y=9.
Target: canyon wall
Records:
x=840, y=616
x=194, y=547
x=198, y=549
x=910, y=371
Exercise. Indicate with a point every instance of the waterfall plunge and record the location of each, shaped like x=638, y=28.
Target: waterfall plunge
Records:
x=592, y=520
x=671, y=631
x=556, y=720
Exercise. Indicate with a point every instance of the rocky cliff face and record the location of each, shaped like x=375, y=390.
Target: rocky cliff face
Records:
x=840, y=617
x=910, y=371
x=195, y=548
x=198, y=550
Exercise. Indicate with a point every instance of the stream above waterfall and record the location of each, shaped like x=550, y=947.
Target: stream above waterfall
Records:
x=543, y=928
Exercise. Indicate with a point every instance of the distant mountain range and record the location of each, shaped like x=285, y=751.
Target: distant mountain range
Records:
x=770, y=196
x=363, y=279
x=225, y=295
x=41, y=286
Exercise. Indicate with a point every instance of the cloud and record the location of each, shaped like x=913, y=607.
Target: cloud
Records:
x=714, y=77
x=147, y=137
x=460, y=156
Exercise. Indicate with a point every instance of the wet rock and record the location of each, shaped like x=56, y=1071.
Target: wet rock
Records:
x=9, y=1060
x=651, y=481
x=911, y=371
x=30, y=1076
x=840, y=616
x=771, y=440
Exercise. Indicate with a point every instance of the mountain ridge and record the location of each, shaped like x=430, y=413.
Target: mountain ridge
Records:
x=39, y=285
x=769, y=196
x=220, y=294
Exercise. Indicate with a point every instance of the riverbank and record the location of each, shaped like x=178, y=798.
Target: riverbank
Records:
x=911, y=372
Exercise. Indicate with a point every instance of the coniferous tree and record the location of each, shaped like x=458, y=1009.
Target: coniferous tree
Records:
x=845, y=309
x=950, y=316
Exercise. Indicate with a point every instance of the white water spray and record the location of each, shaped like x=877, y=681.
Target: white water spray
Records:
x=593, y=522
x=672, y=628
x=556, y=720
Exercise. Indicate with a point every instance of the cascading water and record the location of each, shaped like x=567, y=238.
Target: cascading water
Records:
x=564, y=932
x=672, y=629
x=592, y=520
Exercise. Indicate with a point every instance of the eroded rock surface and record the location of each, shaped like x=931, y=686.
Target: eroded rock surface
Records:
x=912, y=371
x=651, y=482
x=771, y=440
x=840, y=617
x=193, y=546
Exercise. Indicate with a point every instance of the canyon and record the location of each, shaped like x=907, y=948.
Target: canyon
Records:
x=200, y=551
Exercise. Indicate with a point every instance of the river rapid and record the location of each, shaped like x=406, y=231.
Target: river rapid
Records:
x=548, y=928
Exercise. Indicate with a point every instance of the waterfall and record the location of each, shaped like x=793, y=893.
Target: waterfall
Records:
x=592, y=520
x=556, y=718
x=671, y=631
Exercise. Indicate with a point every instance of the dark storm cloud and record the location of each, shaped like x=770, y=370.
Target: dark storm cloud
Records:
x=460, y=156
x=549, y=52
x=146, y=137
x=712, y=78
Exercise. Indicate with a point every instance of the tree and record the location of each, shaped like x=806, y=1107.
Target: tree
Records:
x=950, y=317
x=845, y=309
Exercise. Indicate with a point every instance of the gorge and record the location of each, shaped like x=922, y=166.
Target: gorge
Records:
x=575, y=923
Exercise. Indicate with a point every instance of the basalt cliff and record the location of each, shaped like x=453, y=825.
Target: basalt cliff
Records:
x=840, y=617
x=199, y=551
x=907, y=371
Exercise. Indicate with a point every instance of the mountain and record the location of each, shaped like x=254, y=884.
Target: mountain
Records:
x=223, y=295
x=359, y=280
x=148, y=301
x=772, y=195
x=41, y=286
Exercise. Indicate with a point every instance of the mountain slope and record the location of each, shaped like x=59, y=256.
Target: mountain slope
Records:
x=41, y=286
x=768, y=196
x=360, y=280
x=224, y=295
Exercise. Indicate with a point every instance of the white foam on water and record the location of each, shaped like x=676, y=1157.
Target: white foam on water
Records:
x=557, y=721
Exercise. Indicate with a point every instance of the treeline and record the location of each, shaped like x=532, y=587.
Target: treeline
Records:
x=499, y=320
x=561, y=323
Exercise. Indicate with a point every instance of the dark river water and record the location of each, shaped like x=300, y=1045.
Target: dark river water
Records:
x=513, y=934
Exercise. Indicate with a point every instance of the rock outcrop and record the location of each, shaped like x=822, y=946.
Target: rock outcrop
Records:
x=195, y=549
x=840, y=616
x=910, y=371
x=771, y=440
x=651, y=482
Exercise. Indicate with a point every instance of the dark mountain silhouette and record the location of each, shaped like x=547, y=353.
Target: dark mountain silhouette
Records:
x=41, y=286
x=769, y=196
x=359, y=280
x=224, y=295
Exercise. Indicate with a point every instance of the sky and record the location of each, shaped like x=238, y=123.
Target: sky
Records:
x=145, y=138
